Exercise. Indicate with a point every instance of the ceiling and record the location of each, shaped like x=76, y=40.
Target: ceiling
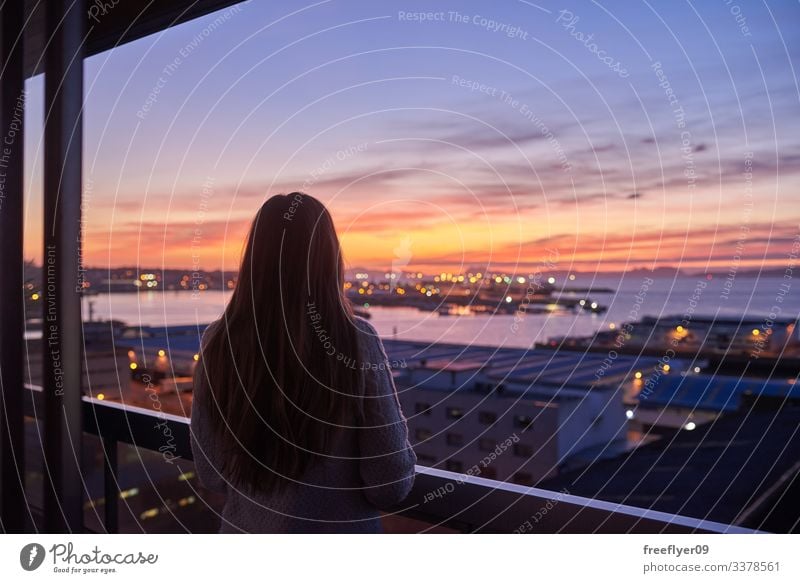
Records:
x=113, y=25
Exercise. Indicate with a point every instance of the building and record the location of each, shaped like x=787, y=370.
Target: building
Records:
x=511, y=414
x=739, y=469
x=708, y=335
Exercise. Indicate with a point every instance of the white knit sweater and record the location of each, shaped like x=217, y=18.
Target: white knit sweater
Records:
x=371, y=468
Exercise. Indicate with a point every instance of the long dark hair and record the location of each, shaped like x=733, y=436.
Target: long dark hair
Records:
x=281, y=362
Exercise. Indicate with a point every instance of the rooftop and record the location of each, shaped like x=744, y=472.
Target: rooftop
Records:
x=716, y=392
x=713, y=472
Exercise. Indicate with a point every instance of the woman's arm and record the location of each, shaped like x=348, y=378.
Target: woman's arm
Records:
x=387, y=459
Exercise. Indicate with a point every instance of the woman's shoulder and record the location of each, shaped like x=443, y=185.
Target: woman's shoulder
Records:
x=209, y=331
x=199, y=373
x=364, y=326
x=369, y=339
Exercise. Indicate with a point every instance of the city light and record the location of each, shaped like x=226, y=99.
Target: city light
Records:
x=638, y=374
x=690, y=426
x=551, y=280
x=129, y=493
x=153, y=512
x=162, y=352
x=629, y=414
x=134, y=366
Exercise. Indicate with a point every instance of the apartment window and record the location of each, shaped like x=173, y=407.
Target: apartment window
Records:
x=422, y=434
x=425, y=460
x=455, y=439
x=523, y=450
x=487, y=444
x=487, y=417
x=523, y=478
x=454, y=466
x=422, y=409
x=523, y=422
x=455, y=412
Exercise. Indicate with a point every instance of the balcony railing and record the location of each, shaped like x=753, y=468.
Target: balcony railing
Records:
x=440, y=500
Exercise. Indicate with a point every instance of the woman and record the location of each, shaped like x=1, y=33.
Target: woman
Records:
x=295, y=415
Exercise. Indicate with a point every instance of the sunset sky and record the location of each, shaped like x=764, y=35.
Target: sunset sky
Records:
x=455, y=141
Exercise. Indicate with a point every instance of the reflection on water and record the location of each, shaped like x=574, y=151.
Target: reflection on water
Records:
x=751, y=296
